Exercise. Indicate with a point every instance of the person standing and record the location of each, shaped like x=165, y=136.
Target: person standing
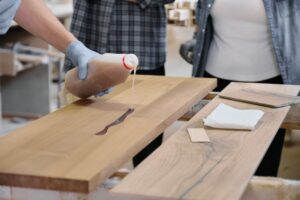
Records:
x=127, y=26
x=248, y=41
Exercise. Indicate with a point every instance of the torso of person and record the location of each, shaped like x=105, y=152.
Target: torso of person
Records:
x=241, y=49
x=138, y=31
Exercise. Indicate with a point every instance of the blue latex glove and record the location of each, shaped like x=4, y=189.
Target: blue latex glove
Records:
x=8, y=9
x=80, y=56
x=104, y=92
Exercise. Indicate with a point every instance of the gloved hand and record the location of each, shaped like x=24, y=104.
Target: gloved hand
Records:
x=104, y=92
x=8, y=9
x=80, y=56
x=187, y=50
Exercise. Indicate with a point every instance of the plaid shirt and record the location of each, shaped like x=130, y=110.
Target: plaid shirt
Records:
x=119, y=26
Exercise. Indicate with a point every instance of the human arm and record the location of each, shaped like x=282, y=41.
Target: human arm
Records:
x=186, y=50
x=35, y=17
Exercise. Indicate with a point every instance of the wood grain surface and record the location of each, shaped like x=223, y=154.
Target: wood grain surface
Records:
x=291, y=121
x=61, y=151
x=273, y=99
x=218, y=170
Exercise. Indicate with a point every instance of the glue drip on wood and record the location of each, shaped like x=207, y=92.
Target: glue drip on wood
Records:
x=133, y=88
x=116, y=122
x=128, y=112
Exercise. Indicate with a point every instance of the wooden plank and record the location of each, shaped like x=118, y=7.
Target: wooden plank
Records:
x=266, y=98
x=291, y=121
x=61, y=151
x=219, y=170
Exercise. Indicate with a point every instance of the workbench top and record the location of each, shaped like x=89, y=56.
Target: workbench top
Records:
x=61, y=151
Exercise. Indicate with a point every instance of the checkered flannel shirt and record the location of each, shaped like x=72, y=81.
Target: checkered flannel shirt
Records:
x=119, y=26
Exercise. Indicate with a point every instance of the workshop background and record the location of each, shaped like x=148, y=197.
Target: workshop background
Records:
x=39, y=79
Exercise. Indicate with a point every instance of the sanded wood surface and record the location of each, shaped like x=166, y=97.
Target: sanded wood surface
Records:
x=291, y=121
x=61, y=151
x=261, y=97
x=217, y=170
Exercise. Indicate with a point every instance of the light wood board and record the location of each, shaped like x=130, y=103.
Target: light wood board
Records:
x=273, y=99
x=218, y=170
x=61, y=151
x=291, y=121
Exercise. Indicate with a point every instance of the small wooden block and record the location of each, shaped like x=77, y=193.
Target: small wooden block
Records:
x=198, y=135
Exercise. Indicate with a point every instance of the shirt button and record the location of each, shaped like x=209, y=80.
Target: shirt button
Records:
x=209, y=5
x=203, y=30
x=199, y=54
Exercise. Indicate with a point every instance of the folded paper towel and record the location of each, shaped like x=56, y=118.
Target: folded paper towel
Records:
x=226, y=117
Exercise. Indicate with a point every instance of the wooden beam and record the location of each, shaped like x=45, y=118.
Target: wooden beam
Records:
x=61, y=151
x=218, y=170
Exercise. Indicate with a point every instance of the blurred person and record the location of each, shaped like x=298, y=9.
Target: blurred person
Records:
x=125, y=26
x=248, y=41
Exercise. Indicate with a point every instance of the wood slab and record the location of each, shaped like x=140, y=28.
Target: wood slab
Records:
x=218, y=170
x=291, y=121
x=273, y=99
x=61, y=151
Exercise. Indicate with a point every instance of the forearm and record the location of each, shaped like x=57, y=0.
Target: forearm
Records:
x=35, y=17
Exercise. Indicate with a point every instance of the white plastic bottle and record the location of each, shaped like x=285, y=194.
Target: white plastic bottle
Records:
x=104, y=72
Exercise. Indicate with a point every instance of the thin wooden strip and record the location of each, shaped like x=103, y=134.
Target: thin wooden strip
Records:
x=261, y=97
x=219, y=170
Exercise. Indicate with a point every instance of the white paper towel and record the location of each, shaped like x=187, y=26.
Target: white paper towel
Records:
x=226, y=117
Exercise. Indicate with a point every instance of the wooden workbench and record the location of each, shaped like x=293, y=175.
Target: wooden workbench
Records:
x=61, y=151
x=217, y=170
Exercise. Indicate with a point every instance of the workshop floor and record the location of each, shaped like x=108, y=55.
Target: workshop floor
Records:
x=176, y=66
